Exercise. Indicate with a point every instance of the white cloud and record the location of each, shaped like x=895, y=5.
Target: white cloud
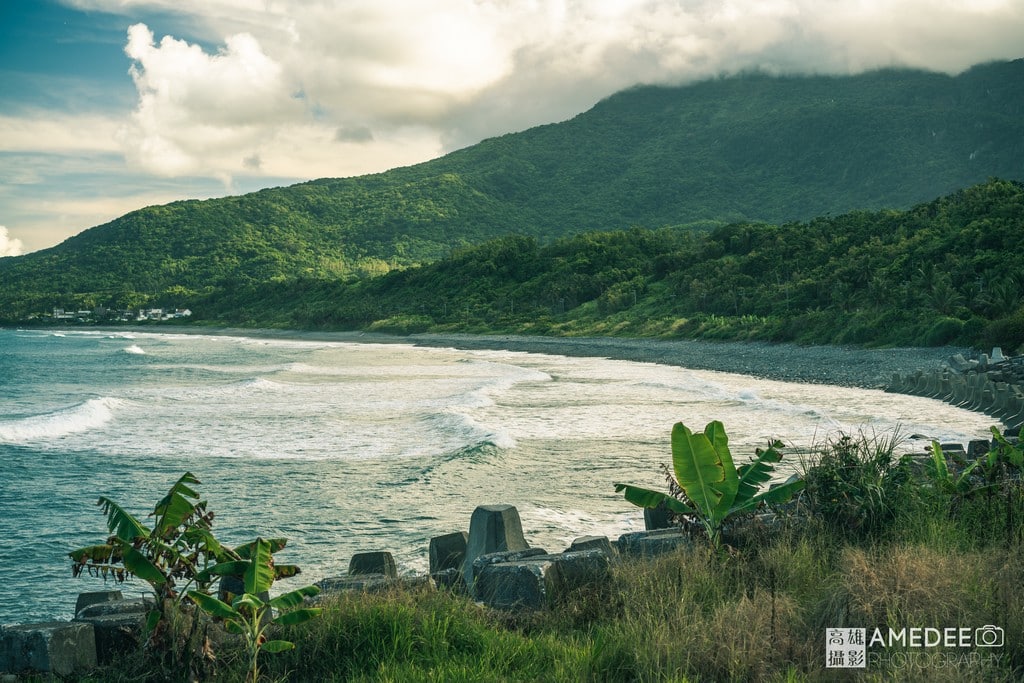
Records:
x=450, y=72
x=196, y=109
x=281, y=89
x=58, y=132
x=8, y=245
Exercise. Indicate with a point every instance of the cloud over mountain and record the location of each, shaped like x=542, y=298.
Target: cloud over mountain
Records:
x=305, y=86
x=8, y=245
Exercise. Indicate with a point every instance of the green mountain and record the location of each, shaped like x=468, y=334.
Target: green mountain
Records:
x=746, y=148
x=942, y=272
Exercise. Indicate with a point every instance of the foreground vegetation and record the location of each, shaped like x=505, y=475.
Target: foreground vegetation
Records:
x=873, y=541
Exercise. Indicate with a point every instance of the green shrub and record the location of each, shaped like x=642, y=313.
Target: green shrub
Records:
x=402, y=324
x=1006, y=332
x=856, y=485
x=943, y=331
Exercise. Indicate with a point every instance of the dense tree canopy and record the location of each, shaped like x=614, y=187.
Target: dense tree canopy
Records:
x=942, y=272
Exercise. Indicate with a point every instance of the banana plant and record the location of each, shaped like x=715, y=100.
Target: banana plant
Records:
x=1004, y=453
x=176, y=549
x=939, y=473
x=714, y=489
x=250, y=615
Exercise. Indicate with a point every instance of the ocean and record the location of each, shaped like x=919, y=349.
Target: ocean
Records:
x=350, y=447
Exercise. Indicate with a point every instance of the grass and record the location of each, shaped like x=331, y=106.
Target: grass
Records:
x=918, y=559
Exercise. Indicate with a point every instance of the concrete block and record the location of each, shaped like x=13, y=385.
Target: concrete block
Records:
x=449, y=579
x=507, y=556
x=512, y=585
x=58, y=647
x=652, y=543
x=135, y=606
x=448, y=551
x=96, y=597
x=582, y=568
x=371, y=583
x=977, y=448
x=116, y=634
x=952, y=448
x=378, y=562
x=593, y=543
x=492, y=528
x=117, y=625
x=657, y=518
x=959, y=363
x=533, y=580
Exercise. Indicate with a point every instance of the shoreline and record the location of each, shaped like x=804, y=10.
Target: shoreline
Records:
x=833, y=365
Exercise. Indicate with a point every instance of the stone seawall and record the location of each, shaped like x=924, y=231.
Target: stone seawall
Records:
x=992, y=384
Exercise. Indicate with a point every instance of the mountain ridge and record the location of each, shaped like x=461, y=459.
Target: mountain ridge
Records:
x=740, y=148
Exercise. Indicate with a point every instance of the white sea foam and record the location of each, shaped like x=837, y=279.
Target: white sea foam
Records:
x=258, y=384
x=563, y=526
x=83, y=417
x=134, y=350
x=461, y=431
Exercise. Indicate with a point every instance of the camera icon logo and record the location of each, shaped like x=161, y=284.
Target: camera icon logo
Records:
x=988, y=636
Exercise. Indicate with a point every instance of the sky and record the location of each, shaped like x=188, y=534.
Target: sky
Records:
x=107, y=106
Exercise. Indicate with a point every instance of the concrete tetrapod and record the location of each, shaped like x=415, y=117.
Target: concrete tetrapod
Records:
x=492, y=529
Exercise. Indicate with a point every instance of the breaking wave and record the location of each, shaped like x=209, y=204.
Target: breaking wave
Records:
x=83, y=417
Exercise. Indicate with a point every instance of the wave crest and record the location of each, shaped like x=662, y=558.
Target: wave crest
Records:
x=83, y=417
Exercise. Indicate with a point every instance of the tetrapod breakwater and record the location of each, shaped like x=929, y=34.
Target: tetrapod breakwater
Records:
x=992, y=384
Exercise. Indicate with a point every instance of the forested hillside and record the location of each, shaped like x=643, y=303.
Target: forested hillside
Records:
x=738, y=149
x=943, y=272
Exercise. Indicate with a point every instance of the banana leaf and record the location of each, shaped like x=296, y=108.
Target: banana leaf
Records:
x=259, y=575
x=706, y=475
x=777, y=494
x=753, y=474
x=141, y=566
x=286, y=571
x=213, y=606
x=204, y=539
x=250, y=601
x=103, y=553
x=174, y=508
x=277, y=646
x=714, y=431
x=120, y=522
x=647, y=498
x=276, y=545
x=293, y=598
x=230, y=568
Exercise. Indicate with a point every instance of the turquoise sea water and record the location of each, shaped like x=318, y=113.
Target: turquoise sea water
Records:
x=345, y=447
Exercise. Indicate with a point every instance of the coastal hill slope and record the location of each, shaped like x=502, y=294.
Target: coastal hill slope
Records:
x=750, y=147
x=942, y=272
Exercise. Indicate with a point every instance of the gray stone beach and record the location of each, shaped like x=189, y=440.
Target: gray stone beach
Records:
x=838, y=365
x=843, y=366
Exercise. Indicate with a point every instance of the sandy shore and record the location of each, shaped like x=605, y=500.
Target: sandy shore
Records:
x=867, y=368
